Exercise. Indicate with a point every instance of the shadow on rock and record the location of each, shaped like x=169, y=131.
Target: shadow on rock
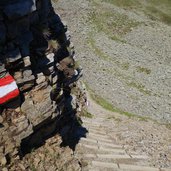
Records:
x=71, y=129
x=67, y=124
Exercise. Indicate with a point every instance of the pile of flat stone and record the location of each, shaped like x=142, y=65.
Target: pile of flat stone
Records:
x=33, y=40
x=26, y=30
x=39, y=120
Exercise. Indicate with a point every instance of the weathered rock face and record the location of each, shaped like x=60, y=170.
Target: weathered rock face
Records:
x=32, y=38
x=39, y=121
x=33, y=42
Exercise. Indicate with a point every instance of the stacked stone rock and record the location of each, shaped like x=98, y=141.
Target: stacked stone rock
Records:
x=33, y=42
x=29, y=31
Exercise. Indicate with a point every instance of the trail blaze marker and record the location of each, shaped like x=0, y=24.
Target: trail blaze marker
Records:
x=8, y=89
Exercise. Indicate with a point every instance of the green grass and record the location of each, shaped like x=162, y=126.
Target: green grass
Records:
x=125, y=3
x=97, y=50
x=168, y=126
x=33, y=168
x=156, y=13
x=114, y=118
x=129, y=81
x=143, y=70
x=123, y=66
x=159, y=10
x=108, y=106
x=86, y=114
x=113, y=24
x=139, y=87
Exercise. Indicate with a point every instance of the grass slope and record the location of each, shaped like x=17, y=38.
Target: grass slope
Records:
x=156, y=9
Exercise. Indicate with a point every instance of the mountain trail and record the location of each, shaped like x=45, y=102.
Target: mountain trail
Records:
x=125, y=54
x=105, y=147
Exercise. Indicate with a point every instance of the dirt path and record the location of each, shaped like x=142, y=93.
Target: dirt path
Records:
x=107, y=148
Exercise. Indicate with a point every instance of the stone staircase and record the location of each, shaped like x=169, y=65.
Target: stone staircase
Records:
x=100, y=150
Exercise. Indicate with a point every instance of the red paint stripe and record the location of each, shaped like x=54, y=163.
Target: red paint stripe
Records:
x=9, y=96
x=6, y=80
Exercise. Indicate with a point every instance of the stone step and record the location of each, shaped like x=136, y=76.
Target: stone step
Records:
x=107, y=140
x=96, y=124
x=132, y=153
x=107, y=156
x=137, y=168
x=97, y=129
x=116, y=157
x=130, y=161
x=104, y=150
x=113, y=156
x=102, y=138
x=165, y=169
x=93, y=125
x=87, y=141
x=98, y=135
x=119, y=161
x=139, y=156
x=100, y=144
x=123, y=167
x=102, y=169
x=103, y=144
x=91, y=120
x=94, y=119
x=101, y=132
x=104, y=165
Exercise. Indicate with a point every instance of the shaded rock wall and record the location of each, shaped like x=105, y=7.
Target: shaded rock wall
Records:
x=19, y=135
x=33, y=42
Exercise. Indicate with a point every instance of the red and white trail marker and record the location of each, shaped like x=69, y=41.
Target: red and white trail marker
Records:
x=8, y=89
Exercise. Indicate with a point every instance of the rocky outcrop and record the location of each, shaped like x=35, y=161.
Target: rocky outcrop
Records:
x=31, y=52
x=40, y=119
